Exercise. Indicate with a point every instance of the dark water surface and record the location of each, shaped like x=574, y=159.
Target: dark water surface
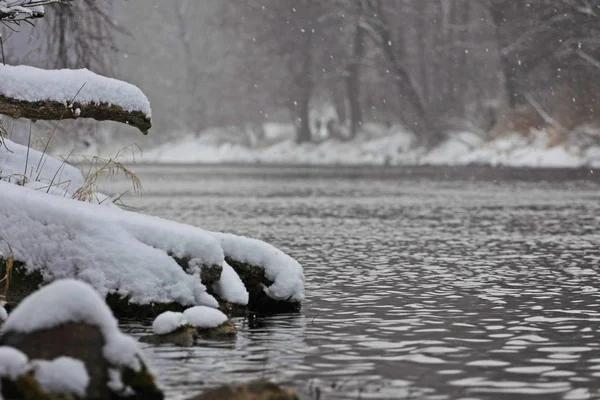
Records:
x=421, y=283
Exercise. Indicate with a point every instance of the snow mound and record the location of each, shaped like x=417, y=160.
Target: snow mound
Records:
x=62, y=376
x=168, y=322
x=204, y=317
x=76, y=302
x=518, y=151
x=18, y=162
x=113, y=250
x=285, y=272
x=65, y=86
x=452, y=150
x=13, y=363
x=230, y=287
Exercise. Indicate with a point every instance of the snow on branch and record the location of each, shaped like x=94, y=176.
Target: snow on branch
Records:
x=38, y=94
x=15, y=11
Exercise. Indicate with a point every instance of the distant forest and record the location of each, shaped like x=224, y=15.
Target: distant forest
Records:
x=488, y=66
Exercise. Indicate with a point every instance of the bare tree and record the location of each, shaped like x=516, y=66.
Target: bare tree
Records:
x=81, y=36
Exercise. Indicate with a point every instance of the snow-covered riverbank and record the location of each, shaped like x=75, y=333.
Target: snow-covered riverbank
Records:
x=461, y=148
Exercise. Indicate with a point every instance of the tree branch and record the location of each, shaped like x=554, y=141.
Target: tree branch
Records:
x=17, y=11
x=54, y=110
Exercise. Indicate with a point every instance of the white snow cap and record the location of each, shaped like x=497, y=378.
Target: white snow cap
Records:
x=13, y=363
x=59, y=303
x=62, y=376
x=69, y=300
x=168, y=322
x=65, y=86
x=285, y=272
x=204, y=317
x=230, y=287
x=199, y=317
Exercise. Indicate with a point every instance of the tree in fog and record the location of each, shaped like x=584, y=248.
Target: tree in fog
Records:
x=432, y=66
x=550, y=56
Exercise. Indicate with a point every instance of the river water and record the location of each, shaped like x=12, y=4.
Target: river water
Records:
x=421, y=283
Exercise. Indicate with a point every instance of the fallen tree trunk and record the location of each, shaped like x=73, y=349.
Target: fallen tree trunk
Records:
x=54, y=110
x=39, y=94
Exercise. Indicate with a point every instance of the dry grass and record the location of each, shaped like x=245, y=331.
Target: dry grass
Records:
x=99, y=168
x=108, y=168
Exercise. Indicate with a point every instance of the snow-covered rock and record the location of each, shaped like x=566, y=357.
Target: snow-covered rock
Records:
x=230, y=287
x=168, y=322
x=264, y=269
x=68, y=322
x=62, y=376
x=204, y=317
x=13, y=363
x=70, y=301
x=181, y=328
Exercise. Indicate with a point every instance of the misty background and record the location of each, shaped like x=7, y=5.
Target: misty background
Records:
x=325, y=70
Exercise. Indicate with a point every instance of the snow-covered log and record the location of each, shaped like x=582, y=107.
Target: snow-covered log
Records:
x=38, y=94
x=15, y=11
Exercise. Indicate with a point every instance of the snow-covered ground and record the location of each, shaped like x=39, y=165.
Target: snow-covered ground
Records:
x=379, y=146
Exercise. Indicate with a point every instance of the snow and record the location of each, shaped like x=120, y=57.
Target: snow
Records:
x=42, y=169
x=13, y=363
x=69, y=300
x=285, y=272
x=199, y=317
x=168, y=322
x=377, y=145
x=230, y=287
x=62, y=376
x=123, y=252
x=66, y=86
x=111, y=249
x=204, y=317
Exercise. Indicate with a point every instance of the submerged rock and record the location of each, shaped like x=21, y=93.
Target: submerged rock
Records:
x=69, y=319
x=258, y=390
x=183, y=337
x=225, y=331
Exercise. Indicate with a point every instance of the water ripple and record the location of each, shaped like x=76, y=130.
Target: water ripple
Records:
x=417, y=287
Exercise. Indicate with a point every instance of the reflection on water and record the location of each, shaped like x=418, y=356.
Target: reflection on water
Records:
x=422, y=283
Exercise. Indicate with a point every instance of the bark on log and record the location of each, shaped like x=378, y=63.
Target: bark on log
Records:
x=53, y=110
